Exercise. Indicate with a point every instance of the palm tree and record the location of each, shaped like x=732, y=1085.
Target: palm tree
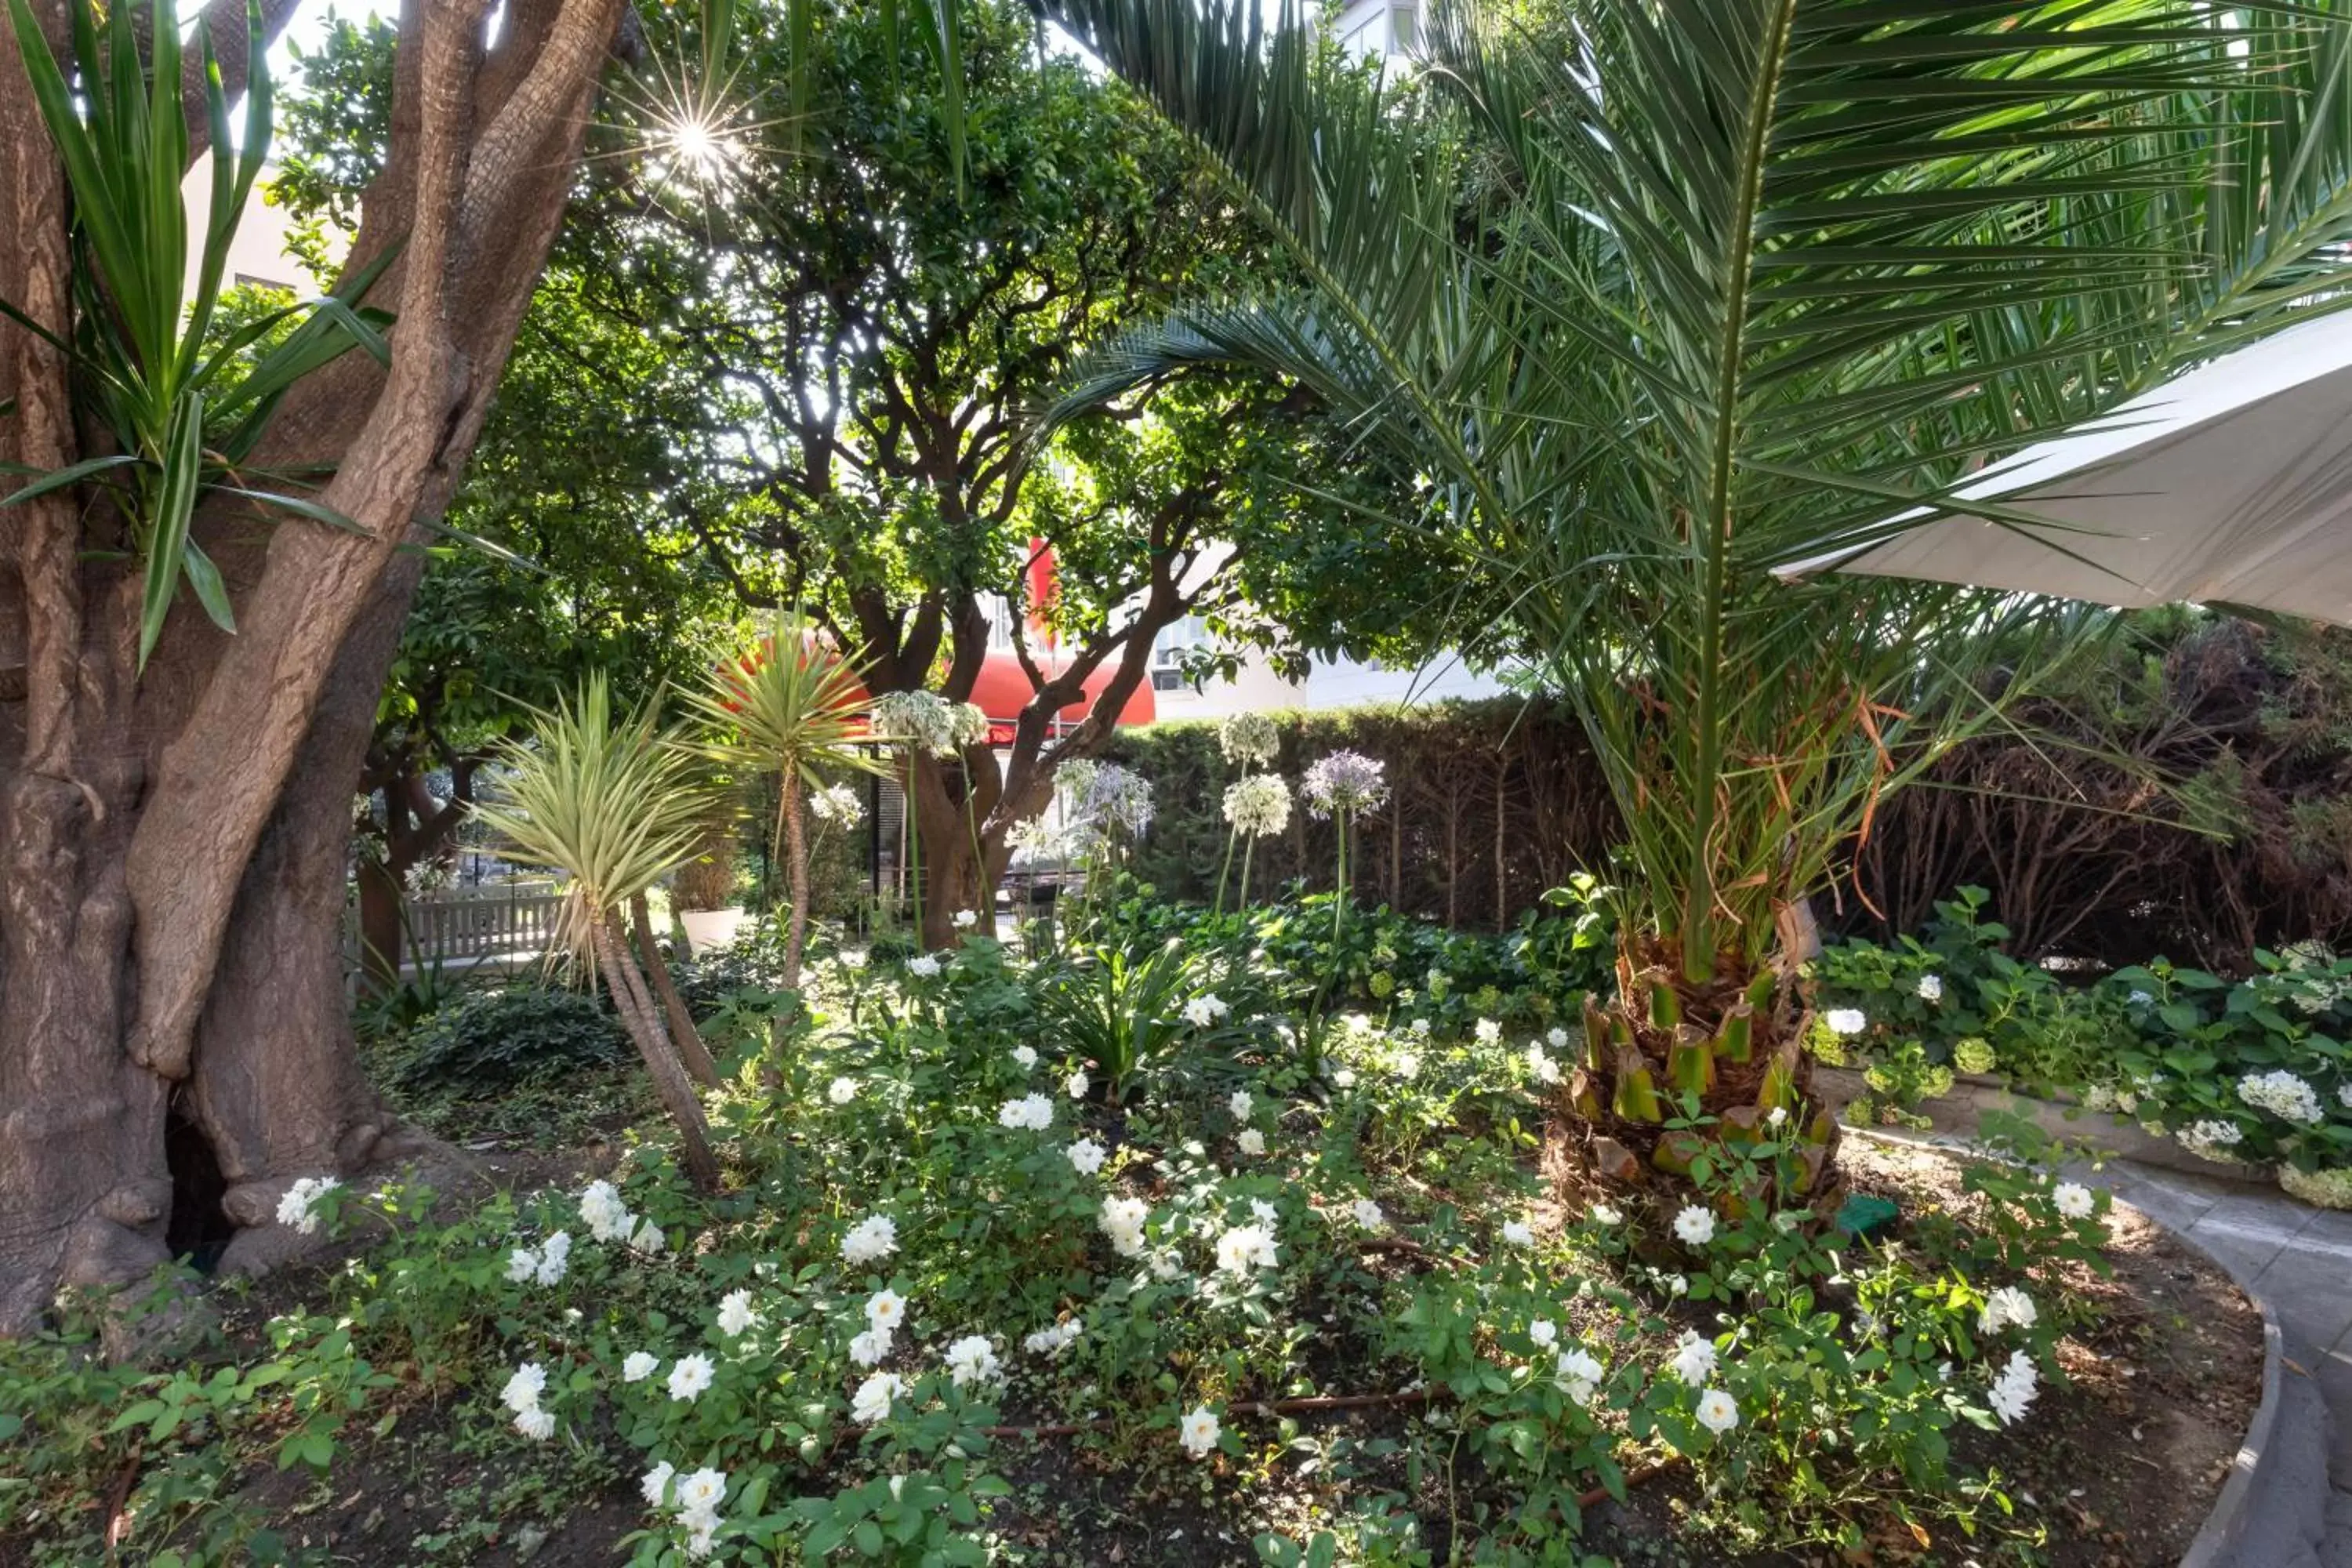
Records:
x=794, y=708
x=1680, y=290
x=614, y=805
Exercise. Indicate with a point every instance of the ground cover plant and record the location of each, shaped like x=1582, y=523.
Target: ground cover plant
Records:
x=1304, y=1291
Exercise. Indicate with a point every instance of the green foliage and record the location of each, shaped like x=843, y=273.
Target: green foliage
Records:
x=183, y=412
x=489, y=1041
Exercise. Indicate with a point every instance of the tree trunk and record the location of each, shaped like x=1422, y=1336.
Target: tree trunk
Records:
x=796, y=873
x=383, y=926
x=689, y=1039
x=645, y=1027
x=173, y=845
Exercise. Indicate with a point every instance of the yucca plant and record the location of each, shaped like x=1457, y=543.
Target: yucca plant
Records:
x=793, y=708
x=1677, y=293
x=614, y=803
x=1123, y=1009
x=182, y=414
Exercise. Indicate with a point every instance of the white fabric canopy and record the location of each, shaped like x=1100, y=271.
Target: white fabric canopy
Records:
x=2232, y=484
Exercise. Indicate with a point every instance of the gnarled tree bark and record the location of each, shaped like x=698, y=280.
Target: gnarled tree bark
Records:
x=172, y=846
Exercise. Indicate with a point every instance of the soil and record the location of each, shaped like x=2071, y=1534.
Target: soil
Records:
x=2117, y=1468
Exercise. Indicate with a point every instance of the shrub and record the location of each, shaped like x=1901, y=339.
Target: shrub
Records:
x=491, y=1040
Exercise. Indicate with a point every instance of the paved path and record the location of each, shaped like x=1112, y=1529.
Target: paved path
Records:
x=2299, y=1259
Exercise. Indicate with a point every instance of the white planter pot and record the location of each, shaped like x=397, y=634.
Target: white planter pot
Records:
x=709, y=929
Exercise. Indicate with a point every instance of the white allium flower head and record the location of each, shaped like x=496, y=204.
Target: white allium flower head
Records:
x=1694, y=1226
x=535, y=1424
x=1248, y=739
x=1931, y=988
x=871, y=1239
x=1025, y=1058
x=923, y=966
x=1717, y=1410
x=1258, y=806
x=1695, y=1359
x=1032, y=1112
x=1250, y=1142
x=838, y=804
x=638, y=1367
x=872, y=1401
x=689, y=1377
x=2074, y=1200
x=1366, y=1214
x=1518, y=1233
x=1345, y=781
x=1199, y=1431
x=972, y=1360
x=735, y=1314
x=1085, y=1156
x=1846, y=1020
x=842, y=1091
x=523, y=1389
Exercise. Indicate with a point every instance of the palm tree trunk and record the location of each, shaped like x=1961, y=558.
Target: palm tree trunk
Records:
x=645, y=1027
x=682, y=1032
x=797, y=874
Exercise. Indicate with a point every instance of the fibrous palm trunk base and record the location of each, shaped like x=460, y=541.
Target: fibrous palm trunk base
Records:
x=1674, y=1075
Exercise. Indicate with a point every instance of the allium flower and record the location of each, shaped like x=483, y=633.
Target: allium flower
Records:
x=1076, y=1085
x=735, y=1314
x=656, y=1485
x=2005, y=1308
x=966, y=919
x=1085, y=1156
x=1694, y=1360
x=929, y=720
x=838, y=804
x=886, y=1310
x=1258, y=806
x=602, y=1212
x=872, y=1240
x=841, y=1090
x=2074, y=1200
x=2282, y=1094
x=1579, y=1374
x=872, y=1401
x=554, y=1257
x=923, y=966
x=870, y=1347
x=1122, y=1221
x=638, y=1367
x=1119, y=799
x=1032, y=1112
x=1846, y=1020
x=1717, y=1412
x=1366, y=1214
x=689, y=1377
x=1204, y=1010
x=1248, y=739
x=1604, y=1214
x=1051, y=1341
x=1199, y=1431
x=535, y=1424
x=1345, y=781
x=299, y=1207
x=523, y=1389
x=1540, y=1067
x=972, y=1360
x=648, y=1241
x=1250, y=1142
x=1488, y=1031
x=1931, y=988
x=1025, y=1058
x=1240, y=1103
x=1518, y=1233
x=1694, y=1224
x=2013, y=1391
x=1544, y=1332
x=1245, y=1247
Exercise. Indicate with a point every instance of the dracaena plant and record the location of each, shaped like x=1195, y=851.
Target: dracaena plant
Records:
x=613, y=803
x=796, y=708
x=182, y=414
x=1663, y=297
